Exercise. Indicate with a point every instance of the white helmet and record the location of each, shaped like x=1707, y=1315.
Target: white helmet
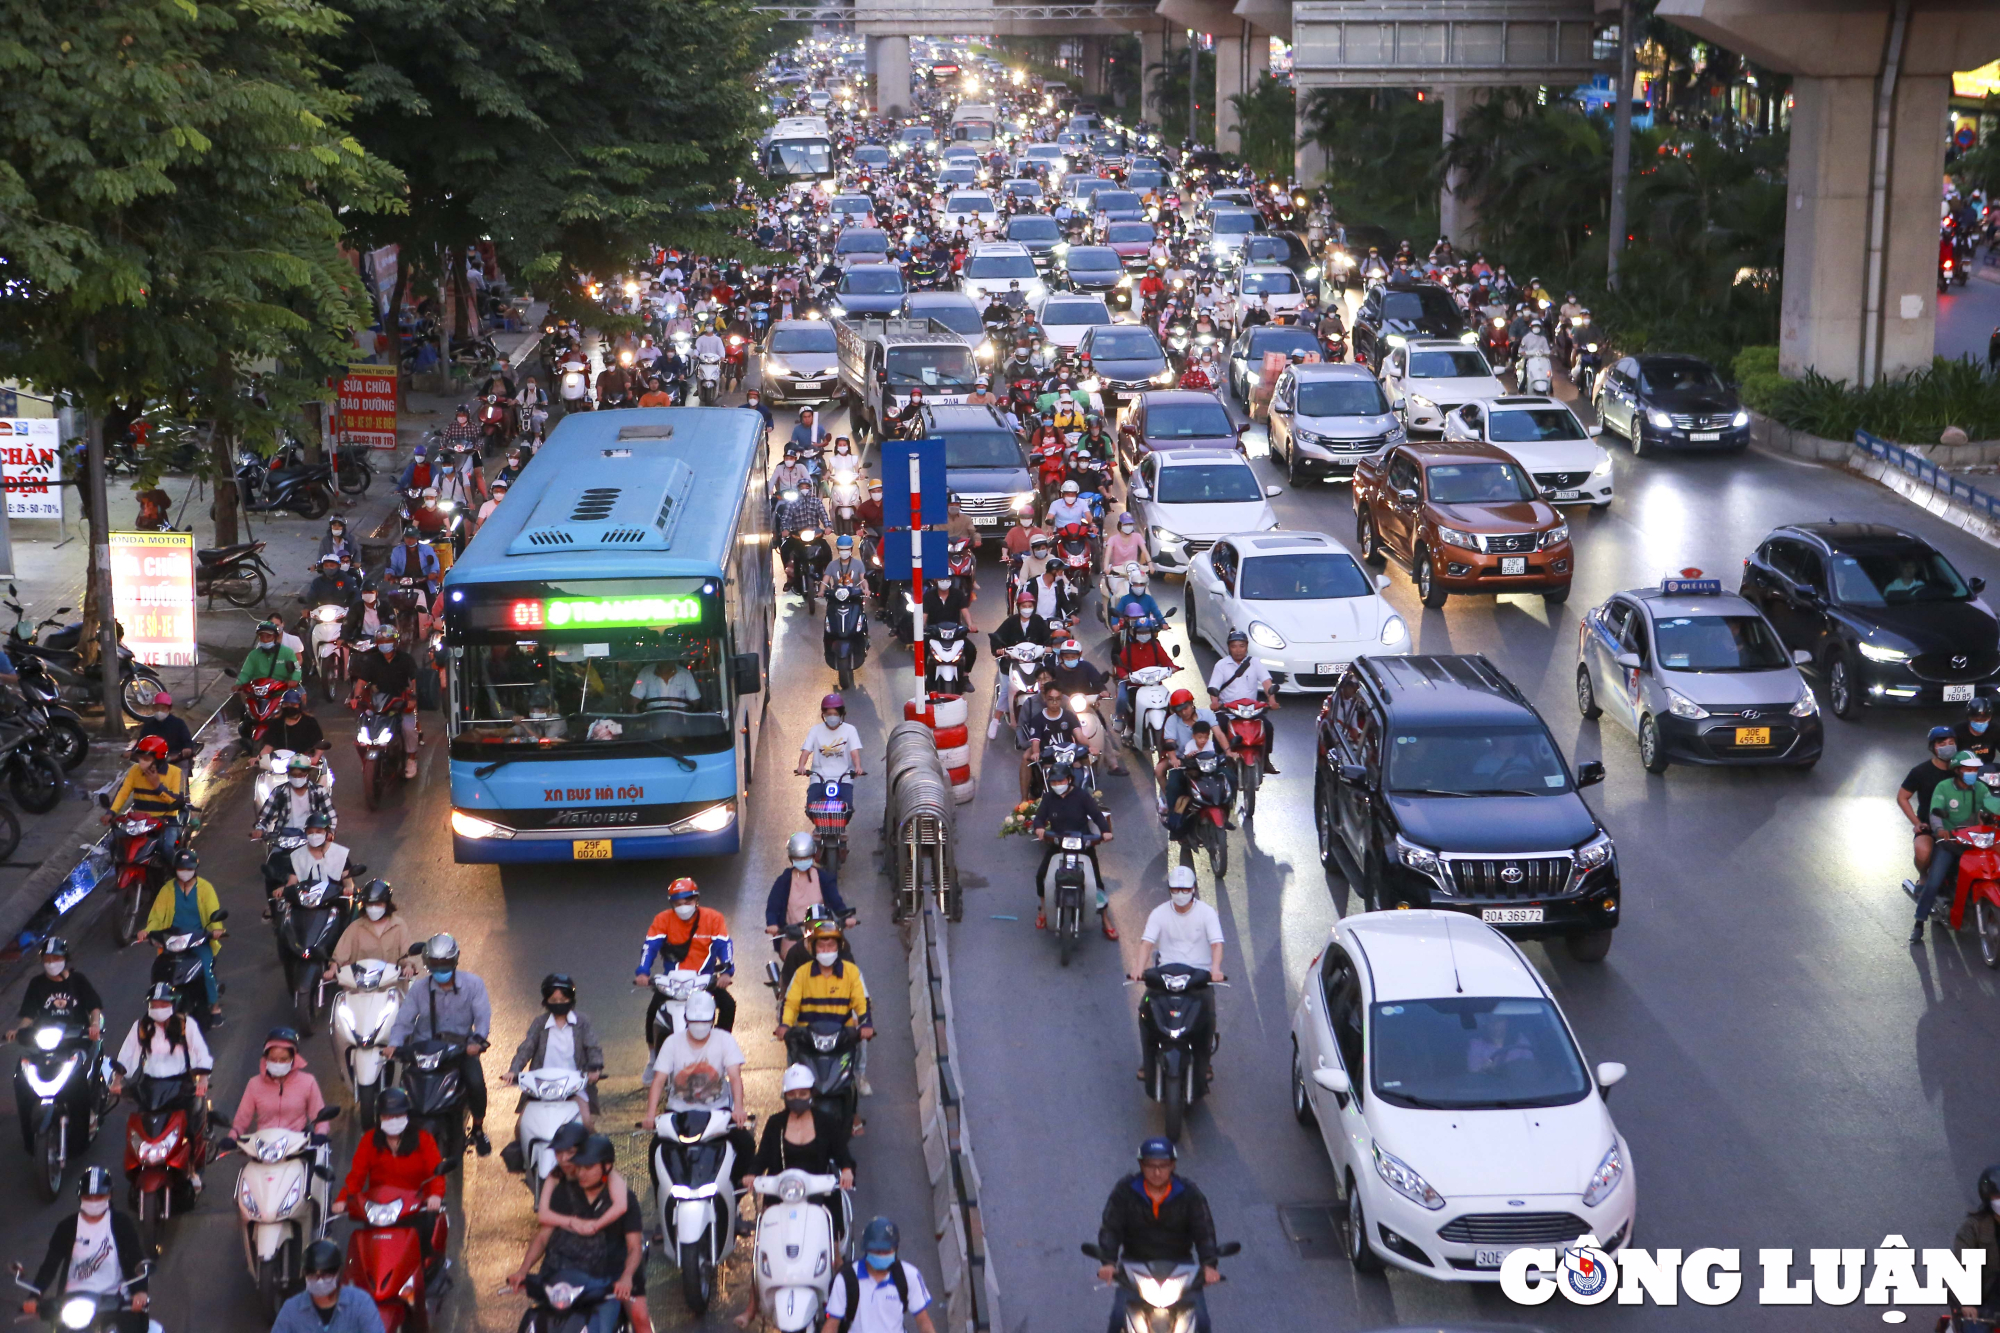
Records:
x=1179, y=877
x=798, y=1078
x=701, y=1004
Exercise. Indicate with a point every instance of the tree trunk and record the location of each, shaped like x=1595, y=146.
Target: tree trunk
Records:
x=392, y=324
x=222, y=472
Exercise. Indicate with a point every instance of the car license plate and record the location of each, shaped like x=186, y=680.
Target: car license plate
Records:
x=1958, y=694
x=1327, y=668
x=1488, y=1258
x=1513, y=564
x=1569, y=495
x=1705, y=435
x=1753, y=735
x=591, y=849
x=809, y=384
x=1510, y=916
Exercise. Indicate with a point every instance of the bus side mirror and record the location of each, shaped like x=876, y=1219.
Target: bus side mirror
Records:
x=747, y=672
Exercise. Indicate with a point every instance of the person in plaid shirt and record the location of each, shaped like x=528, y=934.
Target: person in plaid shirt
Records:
x=805, y=514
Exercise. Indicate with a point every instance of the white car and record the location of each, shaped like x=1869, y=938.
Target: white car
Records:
x=1453, y=1100
x=1270, y=286
x=992, y=267
x=969, y=209
x=1066, y=317
x=1545, y=438
x=1308, y=607
x=1430, y=378
x=1186, y=499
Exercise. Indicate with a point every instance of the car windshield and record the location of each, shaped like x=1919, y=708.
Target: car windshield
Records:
x=1233, y=223
x=1129, y=233
x=862, y=241
x=1266, y=250
x=875, y=280
x=1000, y=266
x=1456, y=363
x=934, y=366
x=957, y=176
x=1535, y=423
x=1478, y=483
x=1090, y=259
x=1144, y=180
x=981, y=448
x=958, y=316
x=1029, y=190
x=802, y=340
x=800, y=157
x=872, y=154
x=1075, y=312
x=1116, y=201
x=1426, y=304
x=1475, y=760
x=1341, y=398
x=1894, y=576
x=1306, y=576
x=1680, y=377
x=1188, y=421
x=1268, y=339
x=852, y=203
x=1207, y=484
x=1464, y=1054
x=1266, y=284
x=970, y=203
x=1126, y=344
x=1033, y=229
x=917, y=134
x=1718, y=643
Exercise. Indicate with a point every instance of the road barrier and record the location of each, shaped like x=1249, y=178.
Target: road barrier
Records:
x=1925, y=484
x=918, y=824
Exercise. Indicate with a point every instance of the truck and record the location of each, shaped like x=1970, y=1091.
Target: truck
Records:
x=881, y=360
x=975, y=123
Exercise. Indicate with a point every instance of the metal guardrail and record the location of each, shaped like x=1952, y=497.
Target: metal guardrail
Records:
x=957, y=13
x=1929, y=474
x=917, y=825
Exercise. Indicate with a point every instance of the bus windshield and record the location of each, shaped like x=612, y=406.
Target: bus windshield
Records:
x=800, y=157
x=637, y=687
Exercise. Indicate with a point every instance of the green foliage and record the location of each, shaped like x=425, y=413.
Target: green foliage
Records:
x=1757, y=379
x=1979, y=169
x=1169, y=82
x=1265, y=122
x=1912, y=409
x=1538, y=178
x=1382, y=150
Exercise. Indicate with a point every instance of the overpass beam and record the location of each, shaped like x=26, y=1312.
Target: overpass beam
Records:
x=1152, y=53
x=890, y=57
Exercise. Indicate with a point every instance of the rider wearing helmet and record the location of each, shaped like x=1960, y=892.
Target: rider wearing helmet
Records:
x=1977, y=732
x=846, y=567
x=377, y=931
x=893, y=1286
x=163, y=1043
x=80, y=1244
x=802, y=886
x=1240, y=677
x=1066, y=809
x=1981, y=1231
x=187, y=904
x=830, y=986
x=831, y=751
x=326, y=1305
x=449, y=1002
x=1957, y=803
x=271, y=659
x=58, y=993
x=1155, y=1216
x=294, y=801
x=560, y=1037
x=294, y=728
x=152, y=785
x=321, y=859
x=390, y=672
x=1074, y=676
x=395, y=1155
x=1913, y=798
x=1069, y=507
x=687, y=935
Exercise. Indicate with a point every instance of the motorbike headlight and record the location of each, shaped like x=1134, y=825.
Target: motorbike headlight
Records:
x=1401, y=1177
x=1605, y=1178
x=1808, y=703
x=383, y=1214
x=1394, y=632
x=1595, y=854
x=1420, y=859
x=1465, y=541
x=1468, y=337
x=1265, y=636
x=48, y=1038
x=1882, y=652
x=1681, y=706
x=987, y=351
x=1659, y=419
x=50, y=1086
x=246, y=1199
x=78, y=1311
x=1555, y=536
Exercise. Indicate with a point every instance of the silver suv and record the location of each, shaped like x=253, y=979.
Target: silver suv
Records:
x=1328, y=416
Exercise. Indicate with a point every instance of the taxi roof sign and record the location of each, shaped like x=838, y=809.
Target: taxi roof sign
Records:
x=1690, y=583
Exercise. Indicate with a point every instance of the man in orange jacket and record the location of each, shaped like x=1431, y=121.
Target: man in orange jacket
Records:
x=688, y=935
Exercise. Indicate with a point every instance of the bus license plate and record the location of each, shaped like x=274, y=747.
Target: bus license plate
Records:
x=1958, y=694
x=1513, y=564
x=1753, y=735
x=1511, y=916
x=1705, y=436
x=591, y=849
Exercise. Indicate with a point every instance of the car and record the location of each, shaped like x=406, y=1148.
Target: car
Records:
x=1116, y=205
x=954, y=310
x=1453, y=1101
x=1462, y=517
x=1289, y=249
x=1438, y=785
x=1545, y=437
x=1039, y=234
x=1099, y=270
x=1268, y=287
x=870, y=289
x=1185, y=499
x=852, y=210
x=1174, y=419
x=819, y=99
x=1026, y=193
x=1046, y=157
x=1132, y=240
x=969, y=209
x=919, y=139
x=1125, y=359
x=1230, y=198
x=798, y=362
x=958, y=155
x=1080, y=187
x=1671, y=402
x=1427, y=379
x=1325, y=417
x=1398, y=311
x=1306, y=604
x=1885, y=616
x=1065, y=318
x=862, y=245
x=1144, y=179
x=1697, y=675
x=1228, y=230
x=995, y=268
x=872, y=155
x=1252, y=345
x=963, y=177
x=984, y=464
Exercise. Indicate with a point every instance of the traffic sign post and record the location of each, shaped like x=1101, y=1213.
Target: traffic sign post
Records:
x=914, y=513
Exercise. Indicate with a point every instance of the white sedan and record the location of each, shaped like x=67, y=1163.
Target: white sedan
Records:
x=1428, y=379
x=1066, y=318
x=1453, y=1100
x=1545, y=438
x=1308, y=606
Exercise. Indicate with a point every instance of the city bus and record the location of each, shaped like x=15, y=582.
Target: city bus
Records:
x=607, y=638
x=798, y=148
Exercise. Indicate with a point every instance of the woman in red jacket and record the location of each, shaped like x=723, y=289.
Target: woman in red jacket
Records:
x=393, y=1155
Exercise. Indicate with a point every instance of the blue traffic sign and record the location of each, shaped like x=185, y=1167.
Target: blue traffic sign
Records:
x=896, y=553
x=896, y=456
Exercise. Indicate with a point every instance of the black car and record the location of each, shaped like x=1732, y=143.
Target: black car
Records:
x=1438, y=785
x=1884, y=615
x=1287, y=248
x=1098, y=269
x=1126, y=359
x=1038, y=234
x=1671, y=402
x=1405, y=310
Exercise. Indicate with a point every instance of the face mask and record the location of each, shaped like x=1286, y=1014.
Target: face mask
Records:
x=1143, y=635
x=267, y=644
x=805, y=864
x=1979, y=728
x=1944, y=751
x=444, y=978
x=184, y=876
x=1966, y=779
x=323, y=1287
x=800, y=1104
x=827, y=957
x=159, y=1013
x=385, y=648
x=560, y=1008
x=277, y=1068
x=699, y=1031
x=298, y=783
x=832, y=720
x=1059, y=788
x=368, y=599
x=395, y=1125
x=163, y=713
x=1182, y=897
x=881, y=1262
x=376, y=911
x=315, y=839
x=55, y=968
x=95, y=1208
x=685, y=911
x=1994, y=1204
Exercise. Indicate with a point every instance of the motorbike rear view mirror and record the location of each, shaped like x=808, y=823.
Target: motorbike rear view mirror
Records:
x=326, y=1113
x=1609, y=1075
x=1228, y=1248
x=1171, y=612
x=747, y=672
x=1630, y=661
x=449, y=1165
x=1590, y=772
x=357, y=870
x=1088, y=1247
x=1801, y=657
x=416, y=951
x=220, y=914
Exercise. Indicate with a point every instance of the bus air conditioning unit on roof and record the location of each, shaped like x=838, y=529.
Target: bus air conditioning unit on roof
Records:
x=597, y=512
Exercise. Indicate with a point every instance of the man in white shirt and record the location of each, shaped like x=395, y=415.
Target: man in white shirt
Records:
x=1188, y=932
x=678, y=686
x=1240, y=677
x=879, y=1290
x=700, y=1068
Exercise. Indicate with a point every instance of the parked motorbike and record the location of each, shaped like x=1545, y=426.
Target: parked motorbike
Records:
x=551, y=1103
x=1159, y=1295
x=797, y=1258
x=281, y=1197
x=269, y=487
x=1248, y=741
x=34, y=778
x=1176, y=1002
x=386, y=1260
x=694, y=1181
x=58, y=661
x=69, y=743
x=237, y=574
x=846, y=634
x=371, y=990
x=166, y=1151
x=61, y=1094
x=352, y=471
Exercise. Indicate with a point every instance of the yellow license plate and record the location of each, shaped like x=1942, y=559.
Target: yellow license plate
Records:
x=1744, y=736
x=594, y=849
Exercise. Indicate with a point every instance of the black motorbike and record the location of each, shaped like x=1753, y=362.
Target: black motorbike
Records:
x=35, y=778
x=179, y=966
x=41, y=701
x=352, y=471
x=831, y=1049
x=1201, y=826
x=564, y=1302
x=1176, y=1016
x=279, y=844
x=296, y=487
x=237, y=574
x=307, y=922
x=437, y=1090
x=846, y=634
x=1159, y=1294
x=59, y=657
x=806, y=557
x=62, y=1091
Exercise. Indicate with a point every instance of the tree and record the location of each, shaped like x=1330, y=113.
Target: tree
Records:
x=1170, y=89
x=1381, y=152
x=1265, y=117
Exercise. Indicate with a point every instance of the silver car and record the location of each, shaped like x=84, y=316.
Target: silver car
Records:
x=1698, y=675
x=798, y=363
x=1328, y=416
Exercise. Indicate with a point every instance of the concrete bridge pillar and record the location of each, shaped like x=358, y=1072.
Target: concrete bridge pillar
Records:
x=1152, y=53
x=890, y=59
x=1457, y=218
x=1090, y=61
x=1308, y=158
x=1229, y=81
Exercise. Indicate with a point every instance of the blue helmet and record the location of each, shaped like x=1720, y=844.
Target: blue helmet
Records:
x=1158, y=1148
x=1941, y=734
x=881, y=1236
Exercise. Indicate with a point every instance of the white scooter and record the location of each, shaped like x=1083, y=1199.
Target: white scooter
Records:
x=672, y=989
x=796, y=1256
x=271, y=775
x=370, y=993
x=1014, y=688
x=1149, y=708
x=552, y=1103
x=694, y=1179
x=328, y=655
x=282, y=1197
x=1535, y=374
x=844, y=489
x=708, y=378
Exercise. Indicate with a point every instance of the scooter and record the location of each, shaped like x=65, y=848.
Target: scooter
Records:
x=830, y=1049
x=959, y=568
x=329, y=649
x=378, y=742
x=846, y=635
x=1248, y=740
x=694, y=1180
x=307, y=922
x=61, y=1094
x=1159, y=1296
x=1201, y=825
x=386, y=1260
x=551, y=1095
x=830, y=806
x=797, y=1260
x=1176, y=1073
x=282, y=1196
x=670, y=996
x=1017, y=679
x=165, y=1154
x=948, y=656
x=41, y=701
x=142, y=847
x=437, y=1090
x=236, y=573
x=1535, y=373
x=844, y=491
x=305, y=489
x=708, y=378
x=95, y=1311
x=564, y=1302
x=263, y=700
x=274, y=769
x=59, y=662
x=1146, y=726
x=34, y=778
x=179, y=965
x=1074, y=874
x=371, y=990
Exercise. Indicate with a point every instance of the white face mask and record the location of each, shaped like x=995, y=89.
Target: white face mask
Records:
x=184, y=876
x=54, y=967
x=376, y=911
x=315, y=839
x=298, y=782
x=699, y=1031
x=832, y=720
x=277, y=1068
x=95, y=1208
x=827, y=957
x=1059, y=788
x=322, y=1286
x=685, y=911
x=1182, y=897
x=163, y=713
x=368, y=599
x=805, y=864
x=395, y=1125
x=159, y=1013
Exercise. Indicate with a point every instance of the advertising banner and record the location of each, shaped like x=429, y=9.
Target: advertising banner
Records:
x=368, y=406
x=152, y=593
x=31, y=458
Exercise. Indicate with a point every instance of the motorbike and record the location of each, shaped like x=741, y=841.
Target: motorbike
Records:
x=95, y=1311
x=1176, y=1073
x=58, y=662
x=830, y=805
x=142, y=848
x=551, y=1103
x=1159, y=1296
x=1493, y=340
x=69, y=743
x=846, y=633
x=1017, y=679
x=830, y=1048
x=166, y=1151
x=1248, y=741
x=1144, y=728
x=34, y=777
x=302, y=488
x=671, y=990
x=797, y=1258
x=959, y=567
x=385, y=1259
x=61, y=1094
x=430, y=1074
x=1534, y=374
x=1073, y=875
x=371, y=990
x=708, y=378
x=263, y=700
x=694, y=1181
x=279, y=844
x=379, y=742
x=307, y=921
x=1977, y=892
x=235, y=573
x=274, y=769
x=1201, y=825
x=1074, y=548
x=282, y=1196
x=948, y=656
x=178, y=964
x=351, y=469
x=495, y=427
x=1073, y=753
x=736, y=363
x=817, y=556
x=565, y=1300
x=328, y=658
x=844, y=490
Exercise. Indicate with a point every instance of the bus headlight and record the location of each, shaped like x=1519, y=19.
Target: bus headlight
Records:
x=712, y=820
x=472, y=826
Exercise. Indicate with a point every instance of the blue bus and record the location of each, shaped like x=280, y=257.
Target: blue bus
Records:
x=607, y=635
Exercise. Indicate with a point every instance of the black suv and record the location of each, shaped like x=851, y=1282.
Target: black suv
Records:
x=1884, y=615
x=1403, y=309
x=1438, y=785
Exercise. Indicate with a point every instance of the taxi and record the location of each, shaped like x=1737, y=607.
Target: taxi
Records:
x=1697, y=675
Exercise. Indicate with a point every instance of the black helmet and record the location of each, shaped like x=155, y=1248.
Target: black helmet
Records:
x=597, y=1150
x=162, y=992
x=1989, y=1184
x=317, y=820
x=95, y=1180
x=1979, y=708
x=282, y=1037
x=1061, y=773
x=376, y=891
x=55, y=946
x=558, y=981
x=187, y=860
x=322, y=1256
x=393, y=1101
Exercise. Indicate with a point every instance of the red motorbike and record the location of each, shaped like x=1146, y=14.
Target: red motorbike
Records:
x=1978, y=889
x=1493, y=340
x=735, y=360
x=385, y=1255
x=164, y=1154
x=263, y=700
x=493, y=423
x=378, y=740
x=1077, y=551
x=958, y=566
x=1249, y=739
x=139, y=850
x=1333, y=347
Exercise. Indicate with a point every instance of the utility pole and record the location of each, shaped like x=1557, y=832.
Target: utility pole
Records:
x=1621, y=142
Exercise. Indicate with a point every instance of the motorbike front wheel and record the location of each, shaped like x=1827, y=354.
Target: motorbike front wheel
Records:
x=697, y=1277
x=314, y=502
x=354, y=477
x=1986, y=919
x=69, y=743
x=271, y=1283
x=1173, y=1103
x=303, y=1007
x=371, y=782
x=49, y=1162
x=846, y=672
x=1069, y=924
x=1253, y=778
x=152, y=1222
x=131, y=914
x=329, y=675
x=36, y=781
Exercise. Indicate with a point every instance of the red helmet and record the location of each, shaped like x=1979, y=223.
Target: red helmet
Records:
x=833, y=701
x=151, y=745
x=1179, y=697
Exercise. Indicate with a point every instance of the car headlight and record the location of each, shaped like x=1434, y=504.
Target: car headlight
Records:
x=1312, y=274
x=1401, y=1177
x=1395, y=340
x=1419, y=403
x=1659, y=419
x=1594, y=854
x=1394, y=632
x=1742, y=417
x=1454, y=537
x=1164, y=377
x=1060, y=247
x=1605, y=1178
x=1263, y=634
x=987, y=351
x=1555, y=536
x=1602, y=469
x=712, y=820
x=1420, y=859
x=1166, y=536
x=472, y=826
x=776, y=367
x=1125, y=281
x=1681, y=706
x=836, y=310
x=1808, y=703
x=1882, y=652
x=1468, y=337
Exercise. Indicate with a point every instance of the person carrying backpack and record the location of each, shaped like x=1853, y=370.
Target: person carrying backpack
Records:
x=875, y=1292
